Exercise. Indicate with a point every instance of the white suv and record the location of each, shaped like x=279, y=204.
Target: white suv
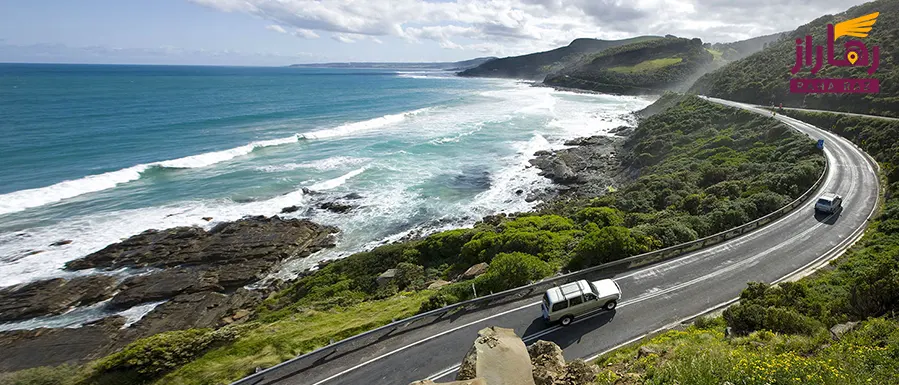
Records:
x=563, y=303
x=829, y=203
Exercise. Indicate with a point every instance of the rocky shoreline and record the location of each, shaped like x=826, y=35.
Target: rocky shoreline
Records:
x=201, y=275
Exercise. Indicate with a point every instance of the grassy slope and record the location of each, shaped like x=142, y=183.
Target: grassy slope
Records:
x=647, y=65
x=862, y=285
x=712, y=167
x=603, y=71
x=537, y=65
x=764, y=77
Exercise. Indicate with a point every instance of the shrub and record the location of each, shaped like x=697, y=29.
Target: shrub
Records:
x=410, y=276
x=510, y=270
x=608, y=244
x=601, y=216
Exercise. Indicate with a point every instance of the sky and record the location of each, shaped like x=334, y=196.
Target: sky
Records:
x=283, y=32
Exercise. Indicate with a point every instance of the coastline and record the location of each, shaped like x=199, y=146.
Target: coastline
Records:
x=194, y=285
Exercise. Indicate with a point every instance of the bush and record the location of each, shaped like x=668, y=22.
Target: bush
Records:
x=745, y=318
x=510, y=270
x=608, y=244
x=410, y=276
x=601, y=216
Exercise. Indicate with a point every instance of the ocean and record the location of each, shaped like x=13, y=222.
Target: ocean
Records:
x=93, y=154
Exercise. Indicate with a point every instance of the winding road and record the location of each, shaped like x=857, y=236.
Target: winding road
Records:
x=654, y=297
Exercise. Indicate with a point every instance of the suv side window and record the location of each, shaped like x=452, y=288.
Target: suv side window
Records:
x=576, y=301
x=561, y=305
x=589, y=296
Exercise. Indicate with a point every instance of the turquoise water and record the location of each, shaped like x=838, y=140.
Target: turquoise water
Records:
x=94, y=154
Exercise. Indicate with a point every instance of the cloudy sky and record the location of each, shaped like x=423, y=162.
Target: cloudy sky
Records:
x=279, y=32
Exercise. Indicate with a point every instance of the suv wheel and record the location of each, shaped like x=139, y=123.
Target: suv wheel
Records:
x=566, y=320
x=611, y=305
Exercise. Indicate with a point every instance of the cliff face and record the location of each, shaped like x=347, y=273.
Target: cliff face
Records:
x=646, y=67
x=537, y=65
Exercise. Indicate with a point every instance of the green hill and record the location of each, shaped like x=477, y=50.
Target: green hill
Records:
x=645, y=67
x=536, y=65
x=764, y=77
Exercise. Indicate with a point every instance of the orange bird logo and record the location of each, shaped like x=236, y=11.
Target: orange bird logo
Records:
x=858, y=27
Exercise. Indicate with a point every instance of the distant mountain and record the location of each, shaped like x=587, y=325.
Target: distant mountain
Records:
x=764, y=77
x=537, y=65
x=445, y=66
x=646, y=67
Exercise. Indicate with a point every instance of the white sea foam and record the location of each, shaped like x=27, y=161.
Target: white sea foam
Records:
x=327, y=164
x=332, y=183
x=363, y=126
x=25, y=199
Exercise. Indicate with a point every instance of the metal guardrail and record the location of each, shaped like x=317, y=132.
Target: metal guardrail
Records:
x=359, y=341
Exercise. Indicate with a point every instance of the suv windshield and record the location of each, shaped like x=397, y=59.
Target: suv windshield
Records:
x=823, y=201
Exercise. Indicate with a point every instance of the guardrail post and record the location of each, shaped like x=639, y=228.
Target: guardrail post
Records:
x=474, y=290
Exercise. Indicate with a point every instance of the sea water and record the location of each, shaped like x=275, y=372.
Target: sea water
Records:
x=93, y=154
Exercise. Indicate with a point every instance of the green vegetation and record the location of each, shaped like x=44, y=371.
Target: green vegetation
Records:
x=537, y=65
x=643, y=67
x=781, y=332
x=702, y=355
x=703, y=168
x=763, y=77
x=647, y=65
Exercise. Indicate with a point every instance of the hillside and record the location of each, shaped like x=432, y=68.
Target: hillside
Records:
x=536, y=65
x=764, y=77
x=639, y=68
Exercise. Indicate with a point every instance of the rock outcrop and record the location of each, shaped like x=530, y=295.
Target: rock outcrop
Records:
x=199, y=274
x=53, y=296
x=499, y=357
x=587, y=168
x=252, y=238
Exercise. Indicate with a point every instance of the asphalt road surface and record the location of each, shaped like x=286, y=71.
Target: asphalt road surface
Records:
x=653, y=297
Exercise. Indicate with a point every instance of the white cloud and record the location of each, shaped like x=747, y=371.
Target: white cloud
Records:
x=276, y=28
x=520, y=26
x=305, y=33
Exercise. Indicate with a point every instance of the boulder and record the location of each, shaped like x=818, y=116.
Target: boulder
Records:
x=336, y=207
x=24, y=349
x=53, y=296
x=548, y=362
x=645, y=351
x=438, y=284
x=474, y=271
x=352, y=196
x=837, y=331
x=386, y=277
x=499, y=357
x=207, y=219
x=290, y=209
x=61, y=243
x=269, y=239
x=162, y=285
x=578, y=372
